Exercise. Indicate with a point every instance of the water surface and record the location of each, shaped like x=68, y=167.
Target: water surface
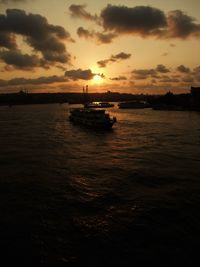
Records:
x=128, y=196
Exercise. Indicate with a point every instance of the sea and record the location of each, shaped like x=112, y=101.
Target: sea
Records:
x=73, y=196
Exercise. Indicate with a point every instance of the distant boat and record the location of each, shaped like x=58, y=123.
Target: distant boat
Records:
x=90, y=116
x=134, y=104
x=99, y=105
x=93, y=118
x=167, y=107
x=106, y=105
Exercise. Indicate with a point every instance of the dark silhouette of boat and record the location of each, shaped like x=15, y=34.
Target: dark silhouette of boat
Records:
x=93, y=118
x=99, y=105
x=134, y=104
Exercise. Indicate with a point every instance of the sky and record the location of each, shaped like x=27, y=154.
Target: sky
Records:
x=129, y=46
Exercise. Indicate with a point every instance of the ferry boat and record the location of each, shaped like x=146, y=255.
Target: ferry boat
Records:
x=99, y=105
x=93, y=118
x=134, y=104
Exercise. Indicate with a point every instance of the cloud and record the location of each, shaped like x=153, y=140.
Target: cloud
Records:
x=169, y=80
x=7, y=40
x=113, y=58
x=119, y=78
x=188, y=79
x=143, y=21
x=179, y=75
x=140, y=20
x=103, y=63
x=51, y=48
x=80, y=74
x=158, y=74
x=38, y=33
x=142, y=74
x=40, y=80
x=197, y=69
x=195, y=74
x=7, y=1
x=120, y=56
x=84, y=33
x=100, y=38
x=104, y=38
x=148, y=78
x=180, y=25
x=161, y=68
x=165, y=54
x=183, y=69
x=78, y=11
x=21, y=61
x=198, y=78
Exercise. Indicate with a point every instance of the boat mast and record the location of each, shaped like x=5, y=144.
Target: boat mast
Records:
x=85, y=95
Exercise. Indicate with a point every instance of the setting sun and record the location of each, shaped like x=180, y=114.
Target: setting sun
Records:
x=63, y=46
x=99, y=133
x=97, y=79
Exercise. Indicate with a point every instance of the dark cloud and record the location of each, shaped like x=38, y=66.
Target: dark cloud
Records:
x=195, y=74
x=113, y=58
x=11, y=1
x=142, y=20
x=85, y=33
x=80, y=74
x=158, y=75
x=140, y=77
x=3, y=83
x=169, y=80
x=164, y=77
x=40, y=80
x=21, y=61
x=181, y=25
x=61, y=67
x=100, y=38
x=197, y=69
x=144, y=72
x=154, y=81
x=60, y=32
x=78, y=11
x=198, y=78
x=165, y=54
x=119, y=78
x=7, y=40
x=120, y=56
x=161, y=68
x=104, y=38
x=103, y=63
x=183, y=69
x=38, y=33
x=187, y=79
x=51, y=49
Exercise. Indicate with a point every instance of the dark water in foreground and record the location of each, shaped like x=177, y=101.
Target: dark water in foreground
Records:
x=128, y=197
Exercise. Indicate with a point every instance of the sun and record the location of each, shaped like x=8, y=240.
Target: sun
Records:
x=97, y=79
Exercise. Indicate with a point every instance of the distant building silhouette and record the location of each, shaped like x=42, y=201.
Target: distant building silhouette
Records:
x=195, y=98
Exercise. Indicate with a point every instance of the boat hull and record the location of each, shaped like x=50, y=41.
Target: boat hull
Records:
x=92, y=124
x=92, y=118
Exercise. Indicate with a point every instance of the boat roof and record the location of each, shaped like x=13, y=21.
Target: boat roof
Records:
x=133, y=101
x=88, y=110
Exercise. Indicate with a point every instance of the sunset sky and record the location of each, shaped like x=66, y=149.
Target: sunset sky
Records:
x=134, y=46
